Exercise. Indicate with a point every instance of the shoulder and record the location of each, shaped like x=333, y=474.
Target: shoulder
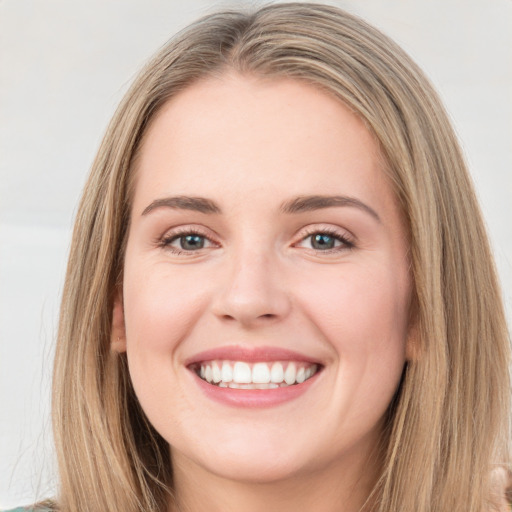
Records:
x=21, y=509
x=29, y=509
x=502, y=488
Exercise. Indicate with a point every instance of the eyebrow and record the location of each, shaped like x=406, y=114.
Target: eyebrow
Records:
x=296, y=205
x=307, y=203
x=198, y=204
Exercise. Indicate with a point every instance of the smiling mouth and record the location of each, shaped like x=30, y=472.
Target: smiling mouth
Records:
x=259, y=375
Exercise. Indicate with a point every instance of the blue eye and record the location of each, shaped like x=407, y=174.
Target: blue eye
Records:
x=325, y=241
x=322, y=241
x=191, y=242
x=185, y=242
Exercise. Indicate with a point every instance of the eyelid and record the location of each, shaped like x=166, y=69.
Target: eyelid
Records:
x=347, y=239
x=175, y=233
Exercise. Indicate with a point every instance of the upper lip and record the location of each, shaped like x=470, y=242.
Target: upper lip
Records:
x=250, y=355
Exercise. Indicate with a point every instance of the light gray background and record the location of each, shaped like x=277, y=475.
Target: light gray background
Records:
x=64, y=66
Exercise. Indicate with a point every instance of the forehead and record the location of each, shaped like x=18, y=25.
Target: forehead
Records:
x=249, y=133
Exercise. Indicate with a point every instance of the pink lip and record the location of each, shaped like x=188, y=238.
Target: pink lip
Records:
x=250, y=355
x=251, y=398
x=254, y=398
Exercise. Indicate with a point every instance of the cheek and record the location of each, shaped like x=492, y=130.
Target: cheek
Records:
x=367, y=304
x=363, y=314
x=161, y=308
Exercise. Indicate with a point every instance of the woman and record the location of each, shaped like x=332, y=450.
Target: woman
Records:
x=280, y=291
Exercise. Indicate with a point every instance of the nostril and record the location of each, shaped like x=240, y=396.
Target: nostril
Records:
x=251, y=304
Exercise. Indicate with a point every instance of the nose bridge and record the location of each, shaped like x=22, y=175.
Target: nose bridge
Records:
x=253, y=289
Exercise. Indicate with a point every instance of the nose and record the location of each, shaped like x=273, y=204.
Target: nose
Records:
x=253, y=291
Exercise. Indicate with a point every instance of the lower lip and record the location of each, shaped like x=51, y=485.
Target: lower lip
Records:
x=254, y=397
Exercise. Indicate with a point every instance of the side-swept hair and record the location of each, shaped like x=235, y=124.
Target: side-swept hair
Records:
x=449, y=423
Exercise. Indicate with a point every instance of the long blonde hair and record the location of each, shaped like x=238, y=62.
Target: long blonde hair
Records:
x=449, y=423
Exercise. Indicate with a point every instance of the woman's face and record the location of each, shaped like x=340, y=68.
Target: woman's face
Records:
x=266, y=249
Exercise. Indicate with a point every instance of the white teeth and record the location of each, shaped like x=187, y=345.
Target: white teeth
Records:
x=242, y=373
x=290, y=374
x=227, y=372
x=235, y=385
x=260, y=373
x=269, y=385
x=277, y=373
x=216, y=373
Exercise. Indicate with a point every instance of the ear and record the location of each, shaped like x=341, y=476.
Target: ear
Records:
x=413, y=343
x=118, y=332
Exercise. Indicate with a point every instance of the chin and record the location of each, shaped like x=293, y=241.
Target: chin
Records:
x=256, y=471
x=256, y=458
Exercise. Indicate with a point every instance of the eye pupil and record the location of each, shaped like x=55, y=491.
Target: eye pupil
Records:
x=191, y=242
x=322, y=241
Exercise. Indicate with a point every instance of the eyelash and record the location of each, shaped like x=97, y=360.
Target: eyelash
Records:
x=347, y=243
x=166, y=241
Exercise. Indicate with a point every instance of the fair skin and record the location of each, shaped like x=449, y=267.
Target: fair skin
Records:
x=253, y=270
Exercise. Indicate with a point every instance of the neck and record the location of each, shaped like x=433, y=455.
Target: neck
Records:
x=344, y=488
